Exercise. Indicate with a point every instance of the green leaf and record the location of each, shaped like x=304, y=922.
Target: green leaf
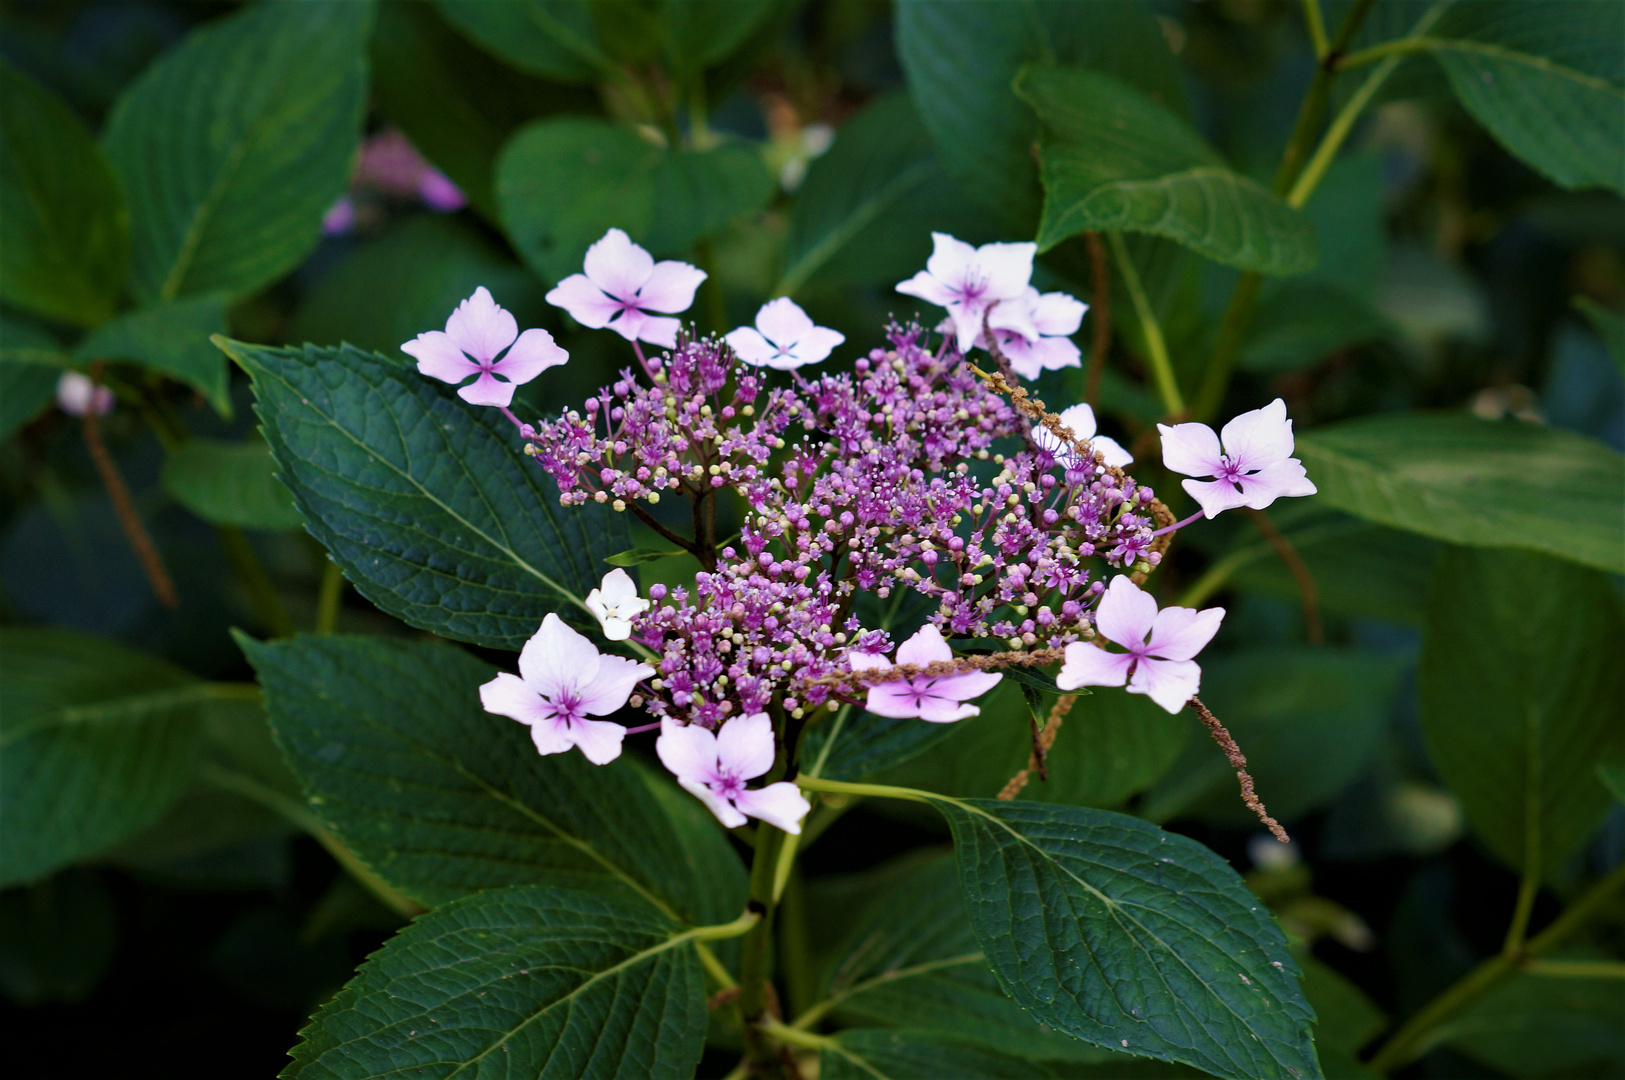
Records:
x=700, y=33
x=960, y=57
x=1347, y=1020
x=1613, y=778
x=456, y=106
x=231, y=483
x=1359, y=568
x=1114, y=160
x=423, y=500
x=233, y=145
x=56, y=939
x=563, y=183
x=1609, y=325
x=1540, y=1026
x=637, y=556
x=524, y=981
x=1110, y=930
x=862, y=744
x=67, y=233
x=556, y=39
x=1299, y=324
x=909, y=1055
x=389, y=290
x=96, y=741
x=31, y=362
x=914, y=963
x=1475, y=482
x=1309, y=720
x=1545, y=81
x=171, y=338
x=442, y=799
x=1520, y=684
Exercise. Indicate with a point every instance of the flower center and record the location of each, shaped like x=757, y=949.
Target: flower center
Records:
x=728, y=785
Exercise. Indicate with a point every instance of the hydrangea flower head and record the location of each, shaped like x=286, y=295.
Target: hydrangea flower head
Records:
x=475, y=336
x=77, y=395
x=615, y=603
x=1253, y=468
x=622, y=284
x=563, y=679
x=714, y=767
x=1035, y=331
x=1081, y=419
x=939, y=699
x=968, y=280
x=1159, y=646
x=784, y=337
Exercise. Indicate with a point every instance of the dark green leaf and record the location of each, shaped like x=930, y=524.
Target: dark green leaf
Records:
x=423, y=499
x=563, y=183
x=441, y=798
x=96, y=741
x=1308, y=719
x=700, y=33
x=908, y=1055
x=1540, y=1026
x=1115, y=160
x=456, y=106
x=31, y=362
x=960, y=57
x=56, y=938
x=1613, y=778
x=556, y=39
x=1610, y=326
x=231, y=483
x=1347, y=1020
x=1359, y=568
x=1301, y=322
x=1110, y=930
x=170, y=338
x=524, y=981
x=388, y=291
x=858, y=744
x=67, y=233
x=636, y=556
x=1475, y=482
x=233, y=145
x=1520, y=686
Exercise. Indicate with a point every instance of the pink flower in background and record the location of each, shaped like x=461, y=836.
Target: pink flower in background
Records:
x=1081, y=419
x=1159, y=644
x=390, y=165
x=622, y=284
x=475, y=334
x=938, y=699
x=562, y=680
x=1034, y=331
x=77, y=395
x=714, y=767
x=968, y=280
x=1254, y=468
x=783, y=338
x=340, y=217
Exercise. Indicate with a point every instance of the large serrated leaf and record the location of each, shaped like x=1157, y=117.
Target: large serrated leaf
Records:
x=909, y=1055
x=524, y=981
x=1113, y=931
x=1475, y=482
x=1520, y=685
x=423, y=499
x=67, y=233
x=96, y=741
x=442, y=799
x=1114, y=160
x=232, y=146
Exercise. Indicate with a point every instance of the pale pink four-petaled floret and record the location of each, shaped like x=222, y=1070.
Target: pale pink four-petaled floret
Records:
x=1159, y=647
x=939, y=699
x=784, y=338
x=1081, y=419
x=1034, y=331
x=622, y=284
x=968, y=280
x=563, y=679
x=615, y=603
x=474, y=339
x=715, y=766
x=1252, y=468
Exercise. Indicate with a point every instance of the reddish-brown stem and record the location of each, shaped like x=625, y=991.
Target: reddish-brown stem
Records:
x=124, y=507
x=1042, y=741
x=1100, y=331
x=1238, y=762
x=1299, y=571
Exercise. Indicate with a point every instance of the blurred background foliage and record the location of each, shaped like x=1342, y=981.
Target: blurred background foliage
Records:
x=392, y=158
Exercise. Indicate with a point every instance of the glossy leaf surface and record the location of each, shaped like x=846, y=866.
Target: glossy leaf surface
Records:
x=170, y=338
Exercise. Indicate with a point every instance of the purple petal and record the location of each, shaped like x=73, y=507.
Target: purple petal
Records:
x=585, y=302
x=925, y=647
x=935, y=710
x=1170, y=683
x=781, y=805
x=1191, y=449
x=557, y=659
x=1126, y=613
x=750, y=346
x=439, y=193
x=480, y=327
x=1006, y=268
x=688, y=752
x=508, y=695
x=722, y=808
x=745, y=746
x=1090, y=665
x=613, y=684
x=599, y=740
x=439, y=357
x=618, y=266
x=532, y=354
x=1258, y=439
x=670, y=287
x=966, y=685
x=896, y=700
x=1214, y=496
x=486, y=390
x=1282, y=480
x=1180, y=633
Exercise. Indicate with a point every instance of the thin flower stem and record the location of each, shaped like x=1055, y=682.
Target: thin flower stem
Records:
x=118, y=493
x=1316, y=25
x=641, y=728
x=1307, y=589
x=1100, y=306
x=637, y=349
x=1238, y=762
x=1180, y=524
x=261, y=590
x=1162, y=370
x=882, y=791
x=796, y=1037
x=328, y=599
x=1575, y=969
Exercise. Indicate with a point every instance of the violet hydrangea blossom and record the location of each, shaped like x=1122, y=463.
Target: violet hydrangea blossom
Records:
x=715, y=766
x=1159, y=647
x=968, y=280
x=784, y=338
x=622, y=284
x=1081, y=419
x=938, y=699
x=563, y=679
x=1034, y=331
x=475, y=336
x=1253, y=468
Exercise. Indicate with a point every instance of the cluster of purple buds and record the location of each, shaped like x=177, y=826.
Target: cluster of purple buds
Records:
x=884, y=478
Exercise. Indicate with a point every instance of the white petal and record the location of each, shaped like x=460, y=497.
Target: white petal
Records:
x=782, y=321
x=935, y=710
x=532, y=354
x=1170, y=683
x=556, y=658
x=487, y=390
x=618, y=266
x=508, y=695
x=658, y=330
x=437, y=355
x=781, y=805
x=1191, y=449
x=1282, y=480
x=925, y=647
x=722, y=808
x=1258, y=439
x=952, y=263
x=1180, y=633
x=598, y=740
x=480, y=327
x=927, y=288
x=1007, y=268
x=816, y=345
x=1055, y=353
x=586, y=302
x=552, y=736
x=670, y=287
x=1057, y=314
x=1081, y=419
x=1214, y=496
x=1111, y=451
x=1090, y=665
x=745, y=746
x=688, y=751
x=750, y=346
x=612, y=685
x=1126, y=613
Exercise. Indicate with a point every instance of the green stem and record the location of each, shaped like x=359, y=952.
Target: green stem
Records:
x=753, y=958
x=1575, y=969
x=1316, y=25
x=795, y=1036
x=1156, y=348
x=327, y=600
x=262, y=594
x=1410, y=1041
x=882, y=791
x=834, y=733
x=795, y=949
